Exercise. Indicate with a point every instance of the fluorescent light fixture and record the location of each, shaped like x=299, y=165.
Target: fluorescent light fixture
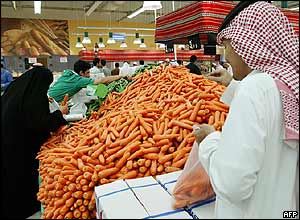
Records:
x=110, y=39
x=116, y=28
x=37, y=7
x=86, y=39
x=93, y=7
x=152, y=5
x=143, y=45
x=136, y=13
x=294, y=9
x=137, y=39
x=78, y=44
x=101, y=44
x=123, y=45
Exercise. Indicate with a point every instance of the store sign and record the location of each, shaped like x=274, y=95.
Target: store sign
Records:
x=63, y=59
x=194, y=42
x=169, y=48
x=32, y=60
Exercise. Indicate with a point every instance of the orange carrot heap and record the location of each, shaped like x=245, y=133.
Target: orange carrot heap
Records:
x=145, y=130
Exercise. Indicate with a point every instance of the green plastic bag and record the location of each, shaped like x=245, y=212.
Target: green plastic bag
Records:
x=101, y=91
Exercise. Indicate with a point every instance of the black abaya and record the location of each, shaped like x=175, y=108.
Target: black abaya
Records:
x=26, y=123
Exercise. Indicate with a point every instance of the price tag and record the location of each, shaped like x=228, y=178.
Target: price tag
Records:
x=32, y=60
x=63, y=59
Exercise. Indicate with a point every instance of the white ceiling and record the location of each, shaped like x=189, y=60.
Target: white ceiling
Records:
x=114, y=11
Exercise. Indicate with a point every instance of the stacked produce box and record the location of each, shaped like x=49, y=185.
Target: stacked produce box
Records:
x=146, y=130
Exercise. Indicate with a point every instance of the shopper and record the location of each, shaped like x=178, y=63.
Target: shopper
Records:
x=180, y=62
x=218, y=65
x=26, y=123
x=253, y=163
x=96, y=71
x=192, y=66
x=126, y=69
x=106, y=70
x=72, y=82
x=116, y=70
x=6, y=78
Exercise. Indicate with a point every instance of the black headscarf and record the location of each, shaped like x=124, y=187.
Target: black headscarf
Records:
x=234, y=12
x=26, y=123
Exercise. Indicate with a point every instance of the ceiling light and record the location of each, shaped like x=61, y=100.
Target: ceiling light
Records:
x=101, y=44
x=86, y=39
x=78, y=44
x=152, y=5
x=143, y=45
x=37, y=7
x=294, y=9
x=136, y=13
x=110, y=39
x=137, y=39
x=123, y=45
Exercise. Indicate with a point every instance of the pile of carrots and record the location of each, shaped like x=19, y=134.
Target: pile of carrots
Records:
x=145, y=130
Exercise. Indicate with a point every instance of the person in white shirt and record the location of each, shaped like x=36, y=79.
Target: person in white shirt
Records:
x=96, y=71
x=253, y=163
x=106, y=71
x=126, y=70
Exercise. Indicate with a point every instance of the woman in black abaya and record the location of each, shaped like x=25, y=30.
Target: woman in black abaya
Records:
x=26, y=122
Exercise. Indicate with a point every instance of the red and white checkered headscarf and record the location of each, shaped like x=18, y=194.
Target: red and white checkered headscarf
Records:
x=262, y=35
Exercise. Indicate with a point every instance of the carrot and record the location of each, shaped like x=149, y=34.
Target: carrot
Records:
x=101, y=159
x=77, y=213
x=178, y=110
x=211, y=120
x=88, y=195
x=108, y=172
x=132, y=126
x=195, y=112
x=153, y=167
x=141, y=162
x=136, y=154
x=78, y=194
x=180, y=163
x=165, y=136
x=143, y=169
x=171, y=169
x=217, y=119
x=181, y=124
x=162, y=142
x=129, y=164
x=123, y=160
x=130, y=175
x=148, y=163
x=151, y=156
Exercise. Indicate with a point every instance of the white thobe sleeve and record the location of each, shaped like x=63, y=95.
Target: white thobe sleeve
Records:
x=232, y=158
x=229, y=92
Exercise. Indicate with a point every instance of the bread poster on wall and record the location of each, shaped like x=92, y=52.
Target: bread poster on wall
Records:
x=34, y=37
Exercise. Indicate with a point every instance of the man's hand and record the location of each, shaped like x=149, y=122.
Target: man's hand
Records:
x=50, y=99
x=220, y=76
x=128, y=77
x=64, y=109
x=201, y=131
